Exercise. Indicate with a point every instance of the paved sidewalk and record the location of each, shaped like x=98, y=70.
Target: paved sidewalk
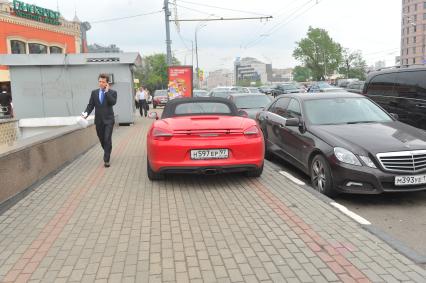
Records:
x=91, y=224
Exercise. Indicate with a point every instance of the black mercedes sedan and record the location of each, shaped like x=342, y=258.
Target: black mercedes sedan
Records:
x=345, y=142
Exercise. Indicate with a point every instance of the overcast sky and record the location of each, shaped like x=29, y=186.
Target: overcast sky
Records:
x=372, y=26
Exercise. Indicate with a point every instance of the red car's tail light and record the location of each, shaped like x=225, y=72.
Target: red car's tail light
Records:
x=252, y=132
x=162, y=134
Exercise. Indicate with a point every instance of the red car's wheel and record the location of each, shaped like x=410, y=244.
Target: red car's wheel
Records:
x=255, y=173
x=153, y=176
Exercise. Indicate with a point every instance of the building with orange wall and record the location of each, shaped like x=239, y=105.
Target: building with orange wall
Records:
x=29, y=29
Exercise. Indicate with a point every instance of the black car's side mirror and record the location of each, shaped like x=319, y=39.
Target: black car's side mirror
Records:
x=395, y=116
x=296, y=122
x=292, y=122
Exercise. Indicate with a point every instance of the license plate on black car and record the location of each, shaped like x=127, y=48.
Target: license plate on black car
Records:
x=410, y=180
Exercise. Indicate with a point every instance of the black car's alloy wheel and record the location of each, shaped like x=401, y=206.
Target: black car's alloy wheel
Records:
x=321, y=176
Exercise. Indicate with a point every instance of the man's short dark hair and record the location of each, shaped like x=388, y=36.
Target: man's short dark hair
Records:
x=104, y=76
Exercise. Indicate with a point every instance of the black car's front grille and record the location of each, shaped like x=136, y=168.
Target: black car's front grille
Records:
x=403, y=161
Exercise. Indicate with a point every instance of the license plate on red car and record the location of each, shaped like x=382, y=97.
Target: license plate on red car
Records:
x=201, y=154
x=410, y=180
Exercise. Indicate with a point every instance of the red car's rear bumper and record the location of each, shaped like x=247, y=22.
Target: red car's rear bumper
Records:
x=174, y=155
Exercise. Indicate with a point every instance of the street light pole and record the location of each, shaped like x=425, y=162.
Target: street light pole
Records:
x=192, y=53
x=168, y=41
x=196, y=58
x=199, y=26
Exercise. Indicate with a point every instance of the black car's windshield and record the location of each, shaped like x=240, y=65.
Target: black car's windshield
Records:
x=251, y=101
x=344, y=111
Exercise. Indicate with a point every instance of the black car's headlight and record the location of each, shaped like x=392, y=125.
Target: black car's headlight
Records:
x=345, y=156
x=367, y=161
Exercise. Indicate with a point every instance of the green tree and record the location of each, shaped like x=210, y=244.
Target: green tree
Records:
x=153, y=72
x=301, y=74
x=353, y=65
x=319, y=53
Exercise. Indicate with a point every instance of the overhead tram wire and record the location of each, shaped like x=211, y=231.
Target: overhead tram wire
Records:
x=219, y=18
x=279, y=14
x=282, y=24
x=292, y=12
x=222, y=8
x=194, y=10
x=386, y=50
x=225, y=19
x=127, y=17
x=283, y=11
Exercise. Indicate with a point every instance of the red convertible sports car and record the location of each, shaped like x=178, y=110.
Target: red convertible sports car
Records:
x=205, y=136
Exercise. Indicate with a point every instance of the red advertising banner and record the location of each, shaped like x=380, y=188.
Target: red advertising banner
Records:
x=180, y=81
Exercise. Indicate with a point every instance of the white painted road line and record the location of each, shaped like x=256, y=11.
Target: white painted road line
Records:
x=351, y=214
x=292, y=178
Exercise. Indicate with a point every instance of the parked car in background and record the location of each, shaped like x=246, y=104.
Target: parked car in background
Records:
x=324, y=87
x=284, y=89
x=203, y=135
x=200, y=93
x=345, y=82
x=345, y=143
x=221, y=92
x=230, y=88
x=400, y=91
x=251, y=90
x=266, y=89
x=355, y=87
x=250, y=104
x=301, y=87
x=160, y=98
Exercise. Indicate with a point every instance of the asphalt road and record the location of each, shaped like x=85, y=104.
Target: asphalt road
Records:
x=401, y=215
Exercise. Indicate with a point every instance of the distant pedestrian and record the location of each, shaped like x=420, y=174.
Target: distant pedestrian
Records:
x=103, y=100
x=137, y=98
x=143, y=101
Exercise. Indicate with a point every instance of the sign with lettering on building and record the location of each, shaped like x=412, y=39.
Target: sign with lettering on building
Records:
x=180, y=81
x=36, y=13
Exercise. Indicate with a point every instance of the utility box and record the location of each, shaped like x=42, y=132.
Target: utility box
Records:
x=59, y=85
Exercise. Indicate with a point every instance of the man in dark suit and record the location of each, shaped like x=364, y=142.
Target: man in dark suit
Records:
x=102, y=100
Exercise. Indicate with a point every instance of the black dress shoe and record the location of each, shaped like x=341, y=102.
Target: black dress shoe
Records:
x=106, y=164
